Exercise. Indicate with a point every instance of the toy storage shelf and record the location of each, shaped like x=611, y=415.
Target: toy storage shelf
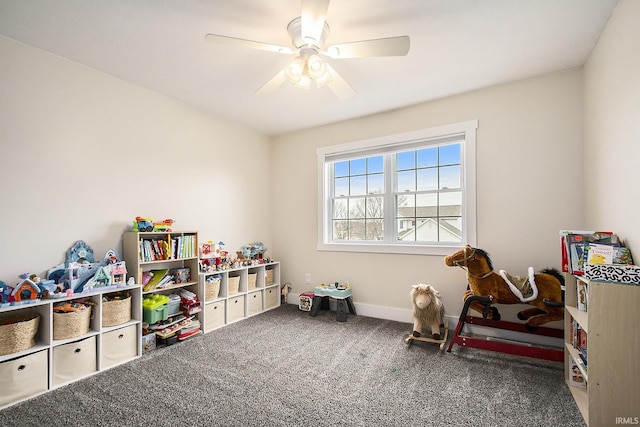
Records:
x=138, y=261
x=52, y=363
x=610, y=322
x=228, y=306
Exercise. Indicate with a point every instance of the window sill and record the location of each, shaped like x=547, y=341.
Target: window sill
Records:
x=439, y=250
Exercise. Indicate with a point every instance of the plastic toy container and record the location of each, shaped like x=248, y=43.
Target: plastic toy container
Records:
x=155, y=308
x=174, y=304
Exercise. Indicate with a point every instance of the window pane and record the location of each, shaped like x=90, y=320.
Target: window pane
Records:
x=451, y=230
x=405, y=206
x=375, y=207
x=340, y=209
x=427, y=179
x=450, y=204
x=406, y=160
x=375, y=183
x=450, y=154
x=426, y=205
x=357, y=167
x=356, y=207
x=341, y=169
x=357, y=230
x=341, y=187
x=340, y=230
x=375, y=229
x=427, y=157
x=407, y=180
x=427, y=230
x=358, y=185
x=450, y=177
x=375, y=164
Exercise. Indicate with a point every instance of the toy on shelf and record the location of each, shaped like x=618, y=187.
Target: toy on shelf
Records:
x=148, y=224
x=80, y=272
x=213, y=257
x=252, y=254
x=428, y=313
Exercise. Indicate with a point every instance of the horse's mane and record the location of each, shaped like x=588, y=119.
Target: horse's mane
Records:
x=484, y=254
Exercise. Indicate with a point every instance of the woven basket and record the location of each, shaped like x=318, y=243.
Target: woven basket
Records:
x=234, y=284
x=116, y=312
x=70, y=325
x=251, y=284
x=17, y=332
x=268, y=277
x=211, y=289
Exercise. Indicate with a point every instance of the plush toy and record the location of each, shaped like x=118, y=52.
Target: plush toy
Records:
x=428, y=310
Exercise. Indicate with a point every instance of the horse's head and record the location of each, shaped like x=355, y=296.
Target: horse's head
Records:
x=460, y=257
x=468, y=255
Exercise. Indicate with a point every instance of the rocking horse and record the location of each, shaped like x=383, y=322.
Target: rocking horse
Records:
x=543, y=290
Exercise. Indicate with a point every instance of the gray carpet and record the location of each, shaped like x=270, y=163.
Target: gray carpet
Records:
x=285, y=368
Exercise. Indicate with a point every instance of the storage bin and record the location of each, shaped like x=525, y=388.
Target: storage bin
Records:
x=235, y=308
x=211, y=288
x=268, y=276
x=24, y=377
x=116, y=312
x=17, y=332
x=173, y=304
x=254, y=303
x=233, y=282
x=74, y=360
x=119, y=346
x=72, y=324
x=155, y=308
x=251, y=281
x=271, y=298
x=214, y=315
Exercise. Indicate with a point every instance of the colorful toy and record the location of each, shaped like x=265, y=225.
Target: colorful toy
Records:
x=148, y=224
x=428, y=310
x=542, y=290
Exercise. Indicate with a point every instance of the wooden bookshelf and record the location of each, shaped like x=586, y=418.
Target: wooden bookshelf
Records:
x=611, y=322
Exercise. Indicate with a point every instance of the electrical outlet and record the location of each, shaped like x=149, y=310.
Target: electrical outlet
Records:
x=307, y=278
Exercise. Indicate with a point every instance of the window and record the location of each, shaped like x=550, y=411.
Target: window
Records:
x=408, y=193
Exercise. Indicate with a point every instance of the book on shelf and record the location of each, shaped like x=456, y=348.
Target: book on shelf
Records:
x=573, y=247
x=582, y=345
x=576, y=378
x=598, y=254
x=156, y=278
x=582, y=295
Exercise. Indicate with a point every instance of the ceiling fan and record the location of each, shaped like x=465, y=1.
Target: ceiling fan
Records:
x=308, y=33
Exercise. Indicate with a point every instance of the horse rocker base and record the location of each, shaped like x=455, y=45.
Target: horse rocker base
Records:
x=409, y=340
x=491, y=344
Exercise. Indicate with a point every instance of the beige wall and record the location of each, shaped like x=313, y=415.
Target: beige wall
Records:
x=84, y=153
x=612, y=127
x=529, y=169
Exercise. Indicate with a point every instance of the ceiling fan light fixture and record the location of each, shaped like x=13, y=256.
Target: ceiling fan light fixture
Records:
x=294, y=70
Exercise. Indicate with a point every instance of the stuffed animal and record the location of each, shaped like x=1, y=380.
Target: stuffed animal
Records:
x=428, y=310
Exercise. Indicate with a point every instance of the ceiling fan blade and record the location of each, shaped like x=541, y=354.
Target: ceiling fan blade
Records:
x=391, y=46
x=272, y=84
x=218, y=39
x=338, y=85
x=312, y=17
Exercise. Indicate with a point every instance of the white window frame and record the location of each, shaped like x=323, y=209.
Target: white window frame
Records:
x=465, y=130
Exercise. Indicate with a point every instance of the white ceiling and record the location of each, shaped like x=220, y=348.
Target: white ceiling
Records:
x=456, y=46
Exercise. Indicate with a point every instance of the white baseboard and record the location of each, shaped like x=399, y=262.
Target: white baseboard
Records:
x=404, y=315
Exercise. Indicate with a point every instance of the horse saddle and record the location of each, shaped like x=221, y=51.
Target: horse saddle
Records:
x=524, y=287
